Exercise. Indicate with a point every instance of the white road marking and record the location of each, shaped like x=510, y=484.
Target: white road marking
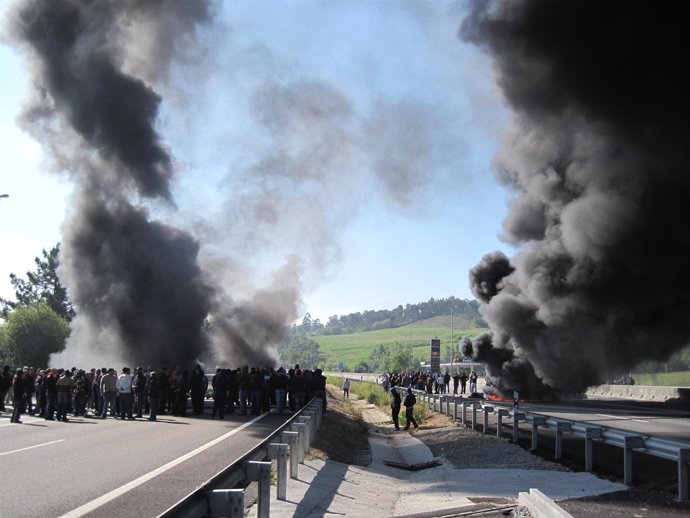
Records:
x=612, y=416
x=624, y=418
x=23, y=422
x=115, y=493
x=30, y=447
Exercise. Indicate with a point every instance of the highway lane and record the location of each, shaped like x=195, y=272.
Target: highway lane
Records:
x=638, y=417
x=53, y=469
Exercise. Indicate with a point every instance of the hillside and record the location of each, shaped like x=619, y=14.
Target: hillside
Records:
x=355, y=348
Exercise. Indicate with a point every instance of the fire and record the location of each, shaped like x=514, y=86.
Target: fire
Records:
x=497, y=397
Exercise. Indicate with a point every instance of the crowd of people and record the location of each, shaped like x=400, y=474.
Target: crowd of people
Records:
x=131, y=394
x=433, y=382
x=430, y=382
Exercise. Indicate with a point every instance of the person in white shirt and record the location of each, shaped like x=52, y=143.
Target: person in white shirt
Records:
x=124, y=391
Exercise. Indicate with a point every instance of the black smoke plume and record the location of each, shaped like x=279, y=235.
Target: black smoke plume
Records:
x=136, y=283
x=598, y=158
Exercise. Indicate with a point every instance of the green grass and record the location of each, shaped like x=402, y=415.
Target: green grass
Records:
x=670, y=379
x=354, y=348
x=374, y=394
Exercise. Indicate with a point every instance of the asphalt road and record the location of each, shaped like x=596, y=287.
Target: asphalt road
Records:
x=646, y=418
x=642, y=418
x=104, y=468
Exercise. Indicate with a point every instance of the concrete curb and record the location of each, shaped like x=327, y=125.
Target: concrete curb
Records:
x=541, y=506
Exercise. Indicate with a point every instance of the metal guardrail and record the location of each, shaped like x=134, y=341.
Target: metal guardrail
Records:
x=456, y=407
x=297, y=431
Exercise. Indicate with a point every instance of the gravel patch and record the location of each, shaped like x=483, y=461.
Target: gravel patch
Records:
x=468, y=449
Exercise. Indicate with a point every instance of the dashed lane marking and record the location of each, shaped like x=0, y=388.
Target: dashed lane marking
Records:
x=623, y=418
x=30, y=447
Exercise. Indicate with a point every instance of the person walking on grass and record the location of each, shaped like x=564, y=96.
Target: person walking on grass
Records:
x=410, y=400
x=395, y=405
x=346, y=388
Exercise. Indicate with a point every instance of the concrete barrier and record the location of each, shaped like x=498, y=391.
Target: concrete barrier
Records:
x=541, y=506
x=641, y=392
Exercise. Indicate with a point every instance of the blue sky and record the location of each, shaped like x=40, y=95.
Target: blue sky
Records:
x=386, y=196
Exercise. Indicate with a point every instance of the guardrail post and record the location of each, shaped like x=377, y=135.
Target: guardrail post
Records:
x=537, y=421
x=278, y=451
x=437, y=398
x=630, y=442
x=474, y=415
x=683, y=459
x=292, y=438
x=307, y=420
x=517, y=417
x=499, y=420
x=315, y=410
x=300, y=428
x=227, y=503
x=455, y=409
x=261, y=471
x=487, y=410
x=560, y=428
x=465, y=404
x=312, y=425
x=590, y=435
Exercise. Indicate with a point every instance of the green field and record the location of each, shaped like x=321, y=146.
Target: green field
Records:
x=351, y=349
x=661, y=379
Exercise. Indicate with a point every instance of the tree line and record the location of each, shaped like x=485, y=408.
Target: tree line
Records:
x=372, y=320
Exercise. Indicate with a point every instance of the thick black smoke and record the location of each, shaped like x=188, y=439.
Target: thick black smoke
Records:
x=598, y=158
x=136, y=283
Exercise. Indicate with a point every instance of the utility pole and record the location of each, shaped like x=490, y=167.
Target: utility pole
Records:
x=451, y=331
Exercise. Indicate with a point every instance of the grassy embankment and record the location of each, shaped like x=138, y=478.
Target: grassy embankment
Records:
x=670, y=379
x=374, y=394
x=355, y=348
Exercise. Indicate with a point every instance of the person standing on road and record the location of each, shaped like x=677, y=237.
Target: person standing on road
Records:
x=197, y=385
x=463, y=383
x=124, y=390
x=220, y=393
x=410, y=400
x=180, y=388
x=298, y=389
x=346, y=388
x=80, y=393
x=473, y=382
x=51, y=394
x=456, y=381
x=395, y=405
x=163, y=390
x=281, y=382
x=108, y=392
x=152, y=391
x=138, y=389
x=18, y=398
x=65, y=384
